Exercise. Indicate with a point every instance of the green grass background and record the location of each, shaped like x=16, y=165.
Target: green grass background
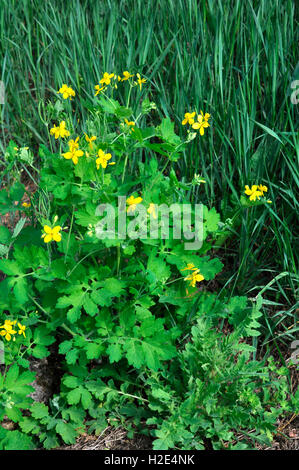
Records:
x=234, y=59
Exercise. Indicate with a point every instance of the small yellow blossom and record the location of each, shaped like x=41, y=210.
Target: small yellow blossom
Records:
x=66, y=92
x=51, y=234
x=73, y=144
x=140, y=80
x=7, y=330
x=269, y=202
x=129, y=123
x=201, y=124
x=60, y=131
x=74, y=153
x=194, y=276
x=189, y=267
x=22, y=329
x=205, y=116
x=152, y=210
x=99, y=89
x=262, y=189
x=132, y=203
x=107, y=78
x=126, y=76
x=9, y=323
x=103, y=158
x=26, y=204
x=90, y=140
x=253, y=192
x=188, y=118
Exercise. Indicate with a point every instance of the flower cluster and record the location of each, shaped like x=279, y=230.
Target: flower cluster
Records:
x=200, y=124
x=133, y=201
x=256, y=191
x=194, y=276
x=7, y=329
x=112, y=79
x=103, y=158
x=60, y=131
x=74, y=153
x=66, y=92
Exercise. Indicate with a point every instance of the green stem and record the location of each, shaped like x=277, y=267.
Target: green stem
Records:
x=124, y=170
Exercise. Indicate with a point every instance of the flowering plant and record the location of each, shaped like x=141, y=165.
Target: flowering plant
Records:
x=118, y=309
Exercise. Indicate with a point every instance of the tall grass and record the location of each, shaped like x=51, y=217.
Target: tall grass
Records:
x=233, y=59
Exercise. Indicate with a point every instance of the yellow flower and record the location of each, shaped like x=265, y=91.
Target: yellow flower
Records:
x=201, y=124
x=7, y=330
x=73, y=153
x=262, y=189
x=253, y=192
x=60, y=131
x=206, y=116
x=8, y=323
x=188, y=118
x=90, y=140
x=51, y=234
x=190, y=267
x=99, y=89
x=152, y=210
x=107, y=78
x=126, y=76
x=73, y=144
x=194, y=276
x=132, y=202
x=103, y=158
x=66, y=91
x=26, y=204
x=140, y=80
x=22, y=329
x=129, y=123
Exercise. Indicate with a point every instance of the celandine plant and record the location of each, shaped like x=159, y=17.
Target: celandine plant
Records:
x=128, y=310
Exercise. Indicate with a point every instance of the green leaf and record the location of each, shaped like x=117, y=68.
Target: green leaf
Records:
x=93, y=350
x=65, y=346
x=11, y=377
x=4, y=235
x=14, y=414
x=39, y=410
x=114, y=352
x=167, y=131
x=40, y=351
x=164, y=442
x=122, y=112
x=72, y=356
x=20, y=224
x=11, y=268
x=73, y=397
x=71, y=382
x=17, y=191
x=86, y=399
x=29, y=425
x=16, y=440
x=134, y=353
x=20, y=290
x=67, y=432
